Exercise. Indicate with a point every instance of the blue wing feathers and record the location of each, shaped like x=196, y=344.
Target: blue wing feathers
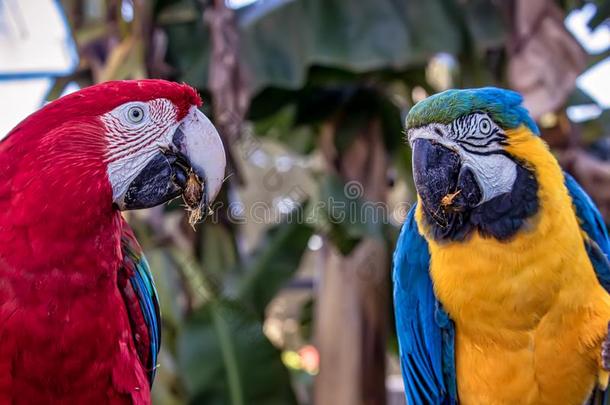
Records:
x=597, y=245
x=144, y=314
x=592, y=223
x=425, y=332
x=144, y=287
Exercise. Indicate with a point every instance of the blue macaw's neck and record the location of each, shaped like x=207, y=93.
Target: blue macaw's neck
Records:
x=501, y=217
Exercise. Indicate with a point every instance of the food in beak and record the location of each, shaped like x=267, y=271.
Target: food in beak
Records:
x=447, y=200
x=192, y=195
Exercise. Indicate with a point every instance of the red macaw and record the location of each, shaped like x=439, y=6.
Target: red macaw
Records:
x=79, y=317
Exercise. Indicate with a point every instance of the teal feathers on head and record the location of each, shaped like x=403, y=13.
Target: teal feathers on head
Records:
x=503, y=106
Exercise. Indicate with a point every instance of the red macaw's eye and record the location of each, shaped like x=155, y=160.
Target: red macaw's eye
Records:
x=135, y=114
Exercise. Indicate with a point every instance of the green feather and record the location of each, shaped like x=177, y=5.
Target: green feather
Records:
x=503, y=106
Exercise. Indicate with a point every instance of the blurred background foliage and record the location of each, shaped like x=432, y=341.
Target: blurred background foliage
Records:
x=310, y=96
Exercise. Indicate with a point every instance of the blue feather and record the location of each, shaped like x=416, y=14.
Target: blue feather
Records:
x=597, y=242
x=144, y=286
x=140, y=279
x=504, y=107
x=425, y=332
x=591, y=221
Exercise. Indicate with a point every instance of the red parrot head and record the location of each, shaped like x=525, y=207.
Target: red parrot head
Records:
x=131, y=144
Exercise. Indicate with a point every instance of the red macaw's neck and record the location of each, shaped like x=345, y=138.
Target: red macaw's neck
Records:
x=59, y=258
x=56, y=211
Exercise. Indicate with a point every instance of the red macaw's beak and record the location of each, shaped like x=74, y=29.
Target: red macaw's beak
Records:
x=202, y=146
x=193, y=165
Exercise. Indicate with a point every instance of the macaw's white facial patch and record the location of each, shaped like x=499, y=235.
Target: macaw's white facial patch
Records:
x=135, y=132
x=480, y=143
x=495, y=174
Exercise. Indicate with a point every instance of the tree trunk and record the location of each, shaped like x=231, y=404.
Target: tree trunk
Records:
x=351, y=313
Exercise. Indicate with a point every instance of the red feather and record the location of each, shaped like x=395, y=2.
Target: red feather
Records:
x=65, y=335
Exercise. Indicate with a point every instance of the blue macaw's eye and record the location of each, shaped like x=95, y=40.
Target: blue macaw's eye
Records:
x=135, y=114
x=485, y=126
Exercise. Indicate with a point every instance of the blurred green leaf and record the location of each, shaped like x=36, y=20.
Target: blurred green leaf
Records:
x=280, y=126
x=189, y=51
x=281, y=119
x=349, y=36
x=273, y=263
x=595, y=129
x=226, y=359
x=218, y=249
x=484, y=22
x=306, y=319
x=347, y=218
x=579, y=97
x=601, y=14
x=176, y=11
x=167, y=390
x=168, y=284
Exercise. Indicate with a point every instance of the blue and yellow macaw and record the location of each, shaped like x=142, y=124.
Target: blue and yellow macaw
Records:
x=501, y=275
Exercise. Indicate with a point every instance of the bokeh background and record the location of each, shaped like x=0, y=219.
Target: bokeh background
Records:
x=283, y=296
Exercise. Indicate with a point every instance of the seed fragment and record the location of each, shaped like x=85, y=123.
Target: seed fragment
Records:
x=448, y=199
x=193, y=192
x=192, y=196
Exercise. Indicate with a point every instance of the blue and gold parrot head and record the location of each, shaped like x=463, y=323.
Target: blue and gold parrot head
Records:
x=467, y=167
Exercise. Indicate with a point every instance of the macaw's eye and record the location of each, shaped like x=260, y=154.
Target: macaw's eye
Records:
x=135, y=114
x=485, y=126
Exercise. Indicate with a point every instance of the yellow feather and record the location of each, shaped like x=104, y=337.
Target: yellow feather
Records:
x=530, y=314
x=602, y=379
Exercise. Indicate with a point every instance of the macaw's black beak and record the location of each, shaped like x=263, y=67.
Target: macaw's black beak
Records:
x=163, y=179
x=442, y=182
x=196, y=152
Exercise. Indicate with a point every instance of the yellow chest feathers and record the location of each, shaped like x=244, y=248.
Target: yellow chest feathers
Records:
x=512, y=284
